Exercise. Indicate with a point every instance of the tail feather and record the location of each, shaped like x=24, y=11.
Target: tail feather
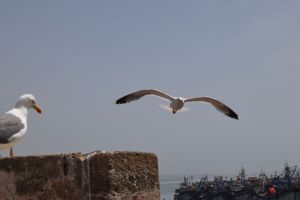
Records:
x=183, y=109
x=166, y=107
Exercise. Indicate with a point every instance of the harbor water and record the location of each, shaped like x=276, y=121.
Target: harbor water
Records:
x=167, y=189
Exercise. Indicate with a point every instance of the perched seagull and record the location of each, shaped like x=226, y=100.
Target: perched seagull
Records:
x=13, y=124
x=177, y=103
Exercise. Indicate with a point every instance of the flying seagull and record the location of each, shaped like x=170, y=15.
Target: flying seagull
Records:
x=13, y=124
x=177, y=103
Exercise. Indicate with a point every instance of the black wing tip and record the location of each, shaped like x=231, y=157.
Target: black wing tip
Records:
x=121, y=101
x=124, y=99
x=233, y=115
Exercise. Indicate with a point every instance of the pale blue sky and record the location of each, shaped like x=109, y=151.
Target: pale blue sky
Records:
x=78, y=57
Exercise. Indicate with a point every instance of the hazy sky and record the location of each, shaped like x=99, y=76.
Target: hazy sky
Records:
x=78, y=57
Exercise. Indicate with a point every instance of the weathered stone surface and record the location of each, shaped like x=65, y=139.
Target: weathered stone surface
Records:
x=94, y=176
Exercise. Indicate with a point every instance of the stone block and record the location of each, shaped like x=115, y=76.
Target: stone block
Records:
x=94, y=176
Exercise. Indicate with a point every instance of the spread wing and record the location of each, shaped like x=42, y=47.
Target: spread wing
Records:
x=217, y=104
x=9, y=125
x=137, y=95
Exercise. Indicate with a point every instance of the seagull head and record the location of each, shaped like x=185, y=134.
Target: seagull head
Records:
x=28, y=101
x=177, y=104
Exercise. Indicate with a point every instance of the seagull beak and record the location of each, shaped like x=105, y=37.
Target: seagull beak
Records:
x=37, y=108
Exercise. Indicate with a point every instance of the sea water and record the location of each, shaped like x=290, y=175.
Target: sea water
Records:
x=168, y=185
x=167, y=189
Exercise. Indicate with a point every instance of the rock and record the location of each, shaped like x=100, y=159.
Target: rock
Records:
x=95, y=176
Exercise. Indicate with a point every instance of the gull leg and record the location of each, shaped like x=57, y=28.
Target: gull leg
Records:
x=11, y=152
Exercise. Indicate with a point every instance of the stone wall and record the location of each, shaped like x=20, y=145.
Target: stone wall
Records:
x=94, y=176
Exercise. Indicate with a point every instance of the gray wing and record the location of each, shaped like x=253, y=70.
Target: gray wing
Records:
x=137, y=95
x=9, y=125
x=217, y=104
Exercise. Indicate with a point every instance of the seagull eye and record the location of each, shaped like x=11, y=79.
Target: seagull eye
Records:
x=33, y=101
